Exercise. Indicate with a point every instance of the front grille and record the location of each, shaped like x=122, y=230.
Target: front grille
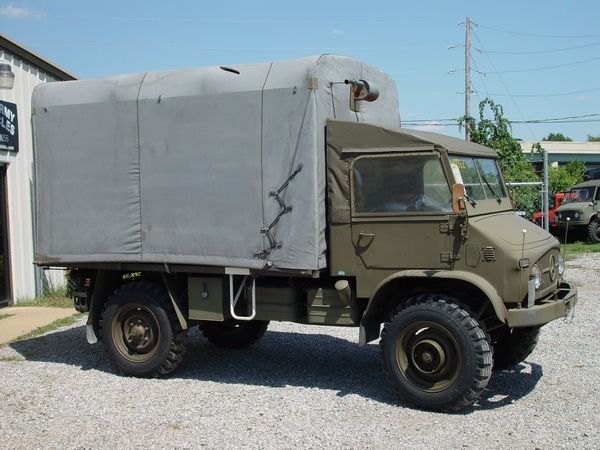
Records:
x=563, y=215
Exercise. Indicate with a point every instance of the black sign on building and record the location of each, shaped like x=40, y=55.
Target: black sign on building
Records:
x=9, y=127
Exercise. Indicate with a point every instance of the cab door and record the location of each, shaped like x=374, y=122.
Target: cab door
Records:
x=401, y=212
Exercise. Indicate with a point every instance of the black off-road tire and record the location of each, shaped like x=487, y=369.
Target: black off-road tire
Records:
x=514, y=347
x=234, y=333
x=594, y=230
x=435, y=354
x=141, y=332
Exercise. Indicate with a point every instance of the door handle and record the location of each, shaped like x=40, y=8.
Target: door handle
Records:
x=362, y=234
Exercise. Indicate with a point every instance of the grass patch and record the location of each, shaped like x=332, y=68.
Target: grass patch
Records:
x=4, y=316
x=582, y=247
x=65, y=321
x=48, y=302
x=576, y=249
x=10, y=358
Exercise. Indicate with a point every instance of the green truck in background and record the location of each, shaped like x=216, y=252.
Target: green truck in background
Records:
x=229, y=197
x=578, y=210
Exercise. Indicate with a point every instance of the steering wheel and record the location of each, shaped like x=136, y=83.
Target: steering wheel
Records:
x=415, y=203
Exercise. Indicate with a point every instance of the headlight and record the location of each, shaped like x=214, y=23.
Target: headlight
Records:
x=577, y=214
x=561, y=264
x=536, y=273
x=559, y=216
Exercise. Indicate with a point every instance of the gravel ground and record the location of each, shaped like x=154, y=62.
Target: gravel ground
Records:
x=299, y=387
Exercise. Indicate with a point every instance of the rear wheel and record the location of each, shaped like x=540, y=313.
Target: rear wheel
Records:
x=234, y=333
x=141, y=332
x=514, y=346
x=435, y=354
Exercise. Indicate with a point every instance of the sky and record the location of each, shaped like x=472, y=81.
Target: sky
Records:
x=540, y=60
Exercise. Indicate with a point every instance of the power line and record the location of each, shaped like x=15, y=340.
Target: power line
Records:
x=236, y=21
x=194, y=48
x=587, y=118
x=504, y=84
x=539, y=52
x=541, y=95
x=541, y=35
x=580, y=119
x=545, y=68
x=569, y=119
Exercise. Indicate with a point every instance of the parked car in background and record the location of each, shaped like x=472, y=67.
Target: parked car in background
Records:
x=554, y=201
x=579, y=209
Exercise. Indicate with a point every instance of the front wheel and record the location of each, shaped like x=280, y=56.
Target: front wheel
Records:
x=435, y=354
x=140, y=330
x=594, y=230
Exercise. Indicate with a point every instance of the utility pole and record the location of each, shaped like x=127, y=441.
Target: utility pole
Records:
x=468, y=80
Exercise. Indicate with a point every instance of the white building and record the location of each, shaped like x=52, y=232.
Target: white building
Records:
x=561, y=152
x=19, y=278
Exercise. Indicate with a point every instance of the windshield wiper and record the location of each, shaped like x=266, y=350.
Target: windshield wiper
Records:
x=491, y=189
x=470, y=199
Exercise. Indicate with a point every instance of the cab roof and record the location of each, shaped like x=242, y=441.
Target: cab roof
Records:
x=362, y=137
x=585, y=184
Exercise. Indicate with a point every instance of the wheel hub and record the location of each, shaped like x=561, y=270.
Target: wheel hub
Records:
x=428, y=356
x=139, y=332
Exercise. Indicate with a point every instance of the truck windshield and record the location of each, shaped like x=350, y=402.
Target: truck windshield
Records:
x=579, y=195
x=400, y=183
x=480, y=176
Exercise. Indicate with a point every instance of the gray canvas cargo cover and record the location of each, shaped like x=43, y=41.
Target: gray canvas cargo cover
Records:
x=178, y=167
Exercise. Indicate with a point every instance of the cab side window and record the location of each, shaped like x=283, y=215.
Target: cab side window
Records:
x=399, y=184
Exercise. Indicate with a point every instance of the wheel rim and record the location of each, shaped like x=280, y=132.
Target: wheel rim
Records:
x=428, y=357
x=135, y=332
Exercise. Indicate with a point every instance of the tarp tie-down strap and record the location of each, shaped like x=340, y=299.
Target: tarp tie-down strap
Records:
x=266, y=230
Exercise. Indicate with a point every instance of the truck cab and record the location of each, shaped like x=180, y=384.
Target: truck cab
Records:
x=415, y=209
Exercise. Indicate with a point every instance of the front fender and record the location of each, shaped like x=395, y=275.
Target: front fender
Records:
x=374, y=313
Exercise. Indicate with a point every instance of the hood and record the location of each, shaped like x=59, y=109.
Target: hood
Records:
x=574, y=206
x=509, y=227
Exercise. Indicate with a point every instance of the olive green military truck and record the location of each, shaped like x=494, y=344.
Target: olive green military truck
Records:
x=578, y=211
x=227, y=197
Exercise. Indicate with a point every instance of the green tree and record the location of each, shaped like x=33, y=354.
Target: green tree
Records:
x=564, y=176
x=592, y=138
x=496, y=133
x=558, y=137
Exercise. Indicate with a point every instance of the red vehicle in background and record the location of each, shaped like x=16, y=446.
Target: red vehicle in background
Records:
x=554, y=200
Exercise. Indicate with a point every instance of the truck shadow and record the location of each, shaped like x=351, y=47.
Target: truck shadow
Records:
x=279, y=359
x=508, y=386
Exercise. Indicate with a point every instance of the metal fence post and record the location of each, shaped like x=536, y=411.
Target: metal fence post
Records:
x=545, y=192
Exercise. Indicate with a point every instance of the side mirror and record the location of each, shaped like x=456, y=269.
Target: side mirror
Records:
x=458, y=199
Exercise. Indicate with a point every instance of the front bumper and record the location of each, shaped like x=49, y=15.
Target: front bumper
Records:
x=571, y=223
x=559, y=305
